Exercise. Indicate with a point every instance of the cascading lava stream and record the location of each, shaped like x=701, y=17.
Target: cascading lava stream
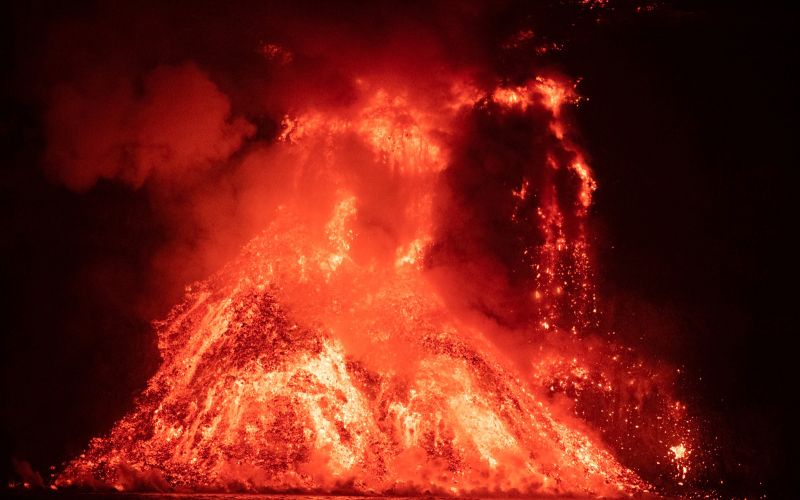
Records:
x=425, y=322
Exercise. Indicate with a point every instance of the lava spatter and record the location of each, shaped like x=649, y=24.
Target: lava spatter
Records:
x=319, y=361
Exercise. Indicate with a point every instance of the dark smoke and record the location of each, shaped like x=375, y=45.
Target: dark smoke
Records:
x=98, y=128
x=483, y=235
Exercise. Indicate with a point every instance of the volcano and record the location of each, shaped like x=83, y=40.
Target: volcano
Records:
x=351, y=350
x=397, y=249
x=257, y=393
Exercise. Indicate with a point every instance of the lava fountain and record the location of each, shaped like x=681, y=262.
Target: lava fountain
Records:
x=420, y=316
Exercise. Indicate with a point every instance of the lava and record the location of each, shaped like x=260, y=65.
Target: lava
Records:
x=347, y=349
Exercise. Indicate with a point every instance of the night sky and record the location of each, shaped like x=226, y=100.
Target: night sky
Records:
x=689, y=124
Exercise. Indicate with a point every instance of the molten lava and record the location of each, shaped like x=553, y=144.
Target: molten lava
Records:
x=351, y=347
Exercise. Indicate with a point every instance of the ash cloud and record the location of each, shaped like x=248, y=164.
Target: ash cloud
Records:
x=185, y=104
x=99, y=128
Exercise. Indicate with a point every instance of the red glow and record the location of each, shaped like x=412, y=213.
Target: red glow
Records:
x=329, y=356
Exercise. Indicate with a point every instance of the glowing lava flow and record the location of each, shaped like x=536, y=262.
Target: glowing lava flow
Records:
x=320, y=360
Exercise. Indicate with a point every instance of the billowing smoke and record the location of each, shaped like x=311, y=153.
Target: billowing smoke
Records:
x=189, y=110
x=101, y=127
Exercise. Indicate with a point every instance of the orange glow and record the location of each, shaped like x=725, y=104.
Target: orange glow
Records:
x=679, y=451
x=512, y=97
x=588, y=184
x=322, y=359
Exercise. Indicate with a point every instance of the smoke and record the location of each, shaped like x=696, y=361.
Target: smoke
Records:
x=99, y=127
x=508, y=169
x=188, y=109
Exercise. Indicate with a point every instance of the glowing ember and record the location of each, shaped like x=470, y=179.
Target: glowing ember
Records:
x=324, y=359
x=679, y=451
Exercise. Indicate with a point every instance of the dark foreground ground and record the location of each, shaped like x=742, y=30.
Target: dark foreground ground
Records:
x=74, y=495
